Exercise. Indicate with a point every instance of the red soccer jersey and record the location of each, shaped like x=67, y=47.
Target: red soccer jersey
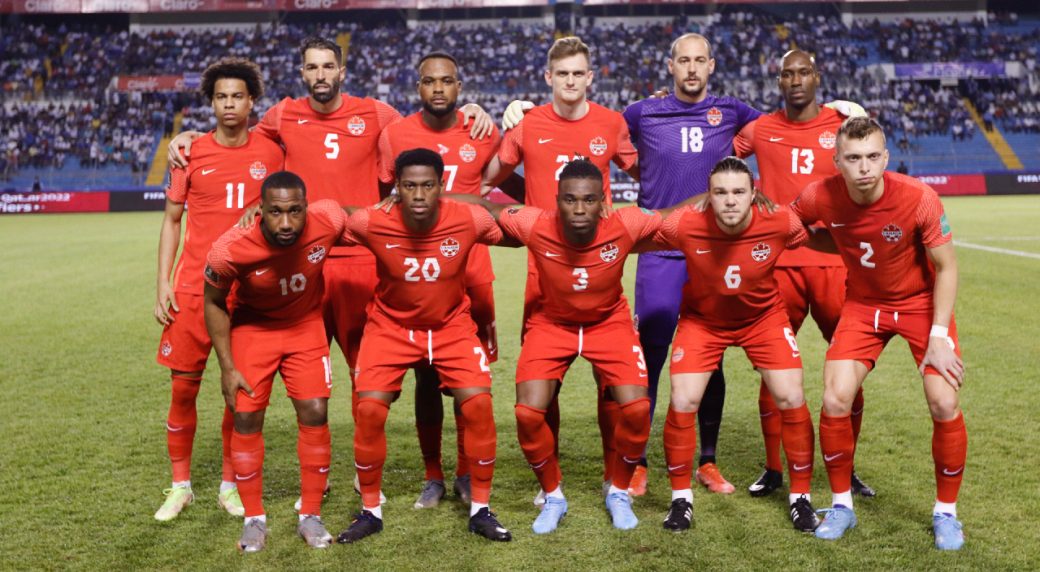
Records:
x=731, y=276
x=464, y=162
x=545, y=142
x=277, y=286
x=336, y=154
x=883, y=244
x=580, y=284
x=422, y=276
x=218, y=183
x=791, y=155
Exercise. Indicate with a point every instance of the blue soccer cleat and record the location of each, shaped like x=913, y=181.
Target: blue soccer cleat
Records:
x=838, y=520
x=552, y=513
x=619, y=505
x=948, y=533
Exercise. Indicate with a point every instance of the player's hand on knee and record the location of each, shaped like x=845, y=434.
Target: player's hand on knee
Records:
x=166, y=301
x=942, y=358
x=173, y=151
x=483, y=126
x=514, y=113
x=249, y=217
x=231, y=382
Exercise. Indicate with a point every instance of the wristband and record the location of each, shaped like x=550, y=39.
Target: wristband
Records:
x=939, y=331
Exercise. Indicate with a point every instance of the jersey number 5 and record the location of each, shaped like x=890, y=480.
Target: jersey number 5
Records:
x=332, y=144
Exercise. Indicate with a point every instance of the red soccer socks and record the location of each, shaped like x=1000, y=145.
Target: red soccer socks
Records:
x=680, y=441
x=314, y=448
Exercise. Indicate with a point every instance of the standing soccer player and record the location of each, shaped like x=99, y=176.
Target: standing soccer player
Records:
x=549, y=137
x=734, y=302
x=420, y=314
x=896, y=242
x=680, y=138
x=275, y=326
x=441, y=128
x=223, y=177
x=795, y=147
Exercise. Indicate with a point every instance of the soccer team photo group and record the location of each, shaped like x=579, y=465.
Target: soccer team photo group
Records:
x=440, y=295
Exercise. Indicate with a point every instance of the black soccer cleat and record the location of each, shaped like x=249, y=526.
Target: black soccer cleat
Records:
x=364, y=524
x=860, y=488
x=803, y=515
x=768, y=482
x=680, y=515
x=485, y=524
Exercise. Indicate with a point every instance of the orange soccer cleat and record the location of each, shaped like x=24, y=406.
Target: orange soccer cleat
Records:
x=708, y=475
x=637, y=486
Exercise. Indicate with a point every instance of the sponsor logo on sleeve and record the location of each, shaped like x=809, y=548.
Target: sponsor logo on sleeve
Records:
x=944, y=225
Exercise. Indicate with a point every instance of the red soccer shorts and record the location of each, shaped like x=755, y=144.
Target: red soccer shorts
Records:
x=819, y=290
x=864, y=331
x=350, y=283
x=389, y=349
x=611, y=346
x=768, y=342
x=185, y=343
x=482, y=308
x=299, y=352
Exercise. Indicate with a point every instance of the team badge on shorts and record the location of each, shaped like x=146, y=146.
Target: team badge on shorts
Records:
x=450, y=247
x=467, y=153
x=315, y=254
x=714, y=117
x=678, y=354
x=609, y=252
x=166, y=349
x=828, y=139
x=891, y=233
x=598, y=146
x=761, y=252
x=356, y=126
x=258, y=171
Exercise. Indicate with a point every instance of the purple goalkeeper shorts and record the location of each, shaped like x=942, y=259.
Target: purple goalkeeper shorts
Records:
x=659, y=286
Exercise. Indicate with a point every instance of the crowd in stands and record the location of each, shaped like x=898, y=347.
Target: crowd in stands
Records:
x=98, y=125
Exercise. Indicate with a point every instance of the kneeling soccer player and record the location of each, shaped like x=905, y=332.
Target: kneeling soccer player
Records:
x=734, y=302
x=420, y=315
x=275, y=325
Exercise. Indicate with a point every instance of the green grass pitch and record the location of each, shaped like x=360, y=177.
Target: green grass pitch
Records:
x=83, y=458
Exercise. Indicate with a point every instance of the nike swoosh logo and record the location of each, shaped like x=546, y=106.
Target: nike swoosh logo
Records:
x=323, y=470
x=551, y=254
x=775, y=139
x=485, y=462
x=239, y=477
x=699, y=251
x=540, y=141
x=829, y=458
x=675, y=467
x=797, y=467
x=837, y=224
x=954, y=473
x=629, y=461
x=766, y=414
x=301, y=121
x=261, y=272
x=389, y=246
x=642, y=375
x=173, y=430
x=207, y=171
x=540, y=465
x=363, y=467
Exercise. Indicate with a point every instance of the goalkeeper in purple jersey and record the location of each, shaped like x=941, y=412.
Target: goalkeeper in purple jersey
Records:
x=680, y=137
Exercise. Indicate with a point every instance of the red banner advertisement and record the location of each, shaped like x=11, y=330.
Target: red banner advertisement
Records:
x=953, y=185
x=160, y=6
x=54, y=202
x=150, y=83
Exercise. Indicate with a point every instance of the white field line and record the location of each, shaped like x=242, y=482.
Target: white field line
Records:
x=963, y=244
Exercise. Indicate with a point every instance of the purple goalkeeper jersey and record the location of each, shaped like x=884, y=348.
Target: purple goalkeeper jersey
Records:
x=680, y=142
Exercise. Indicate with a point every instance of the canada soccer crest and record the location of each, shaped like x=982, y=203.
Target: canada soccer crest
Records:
x=356, y=126
x=450, y=247
x=315, y=254
x=714, y=117
x=891, y=233
x=166, y=349
x=467, y=153
x=258, y=171
x=827, y=139
x=761, y=252
x=609, y=252
x=598, y=146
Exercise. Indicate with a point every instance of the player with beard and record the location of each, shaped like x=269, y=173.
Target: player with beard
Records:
x=441, y=128
x=795, y=147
